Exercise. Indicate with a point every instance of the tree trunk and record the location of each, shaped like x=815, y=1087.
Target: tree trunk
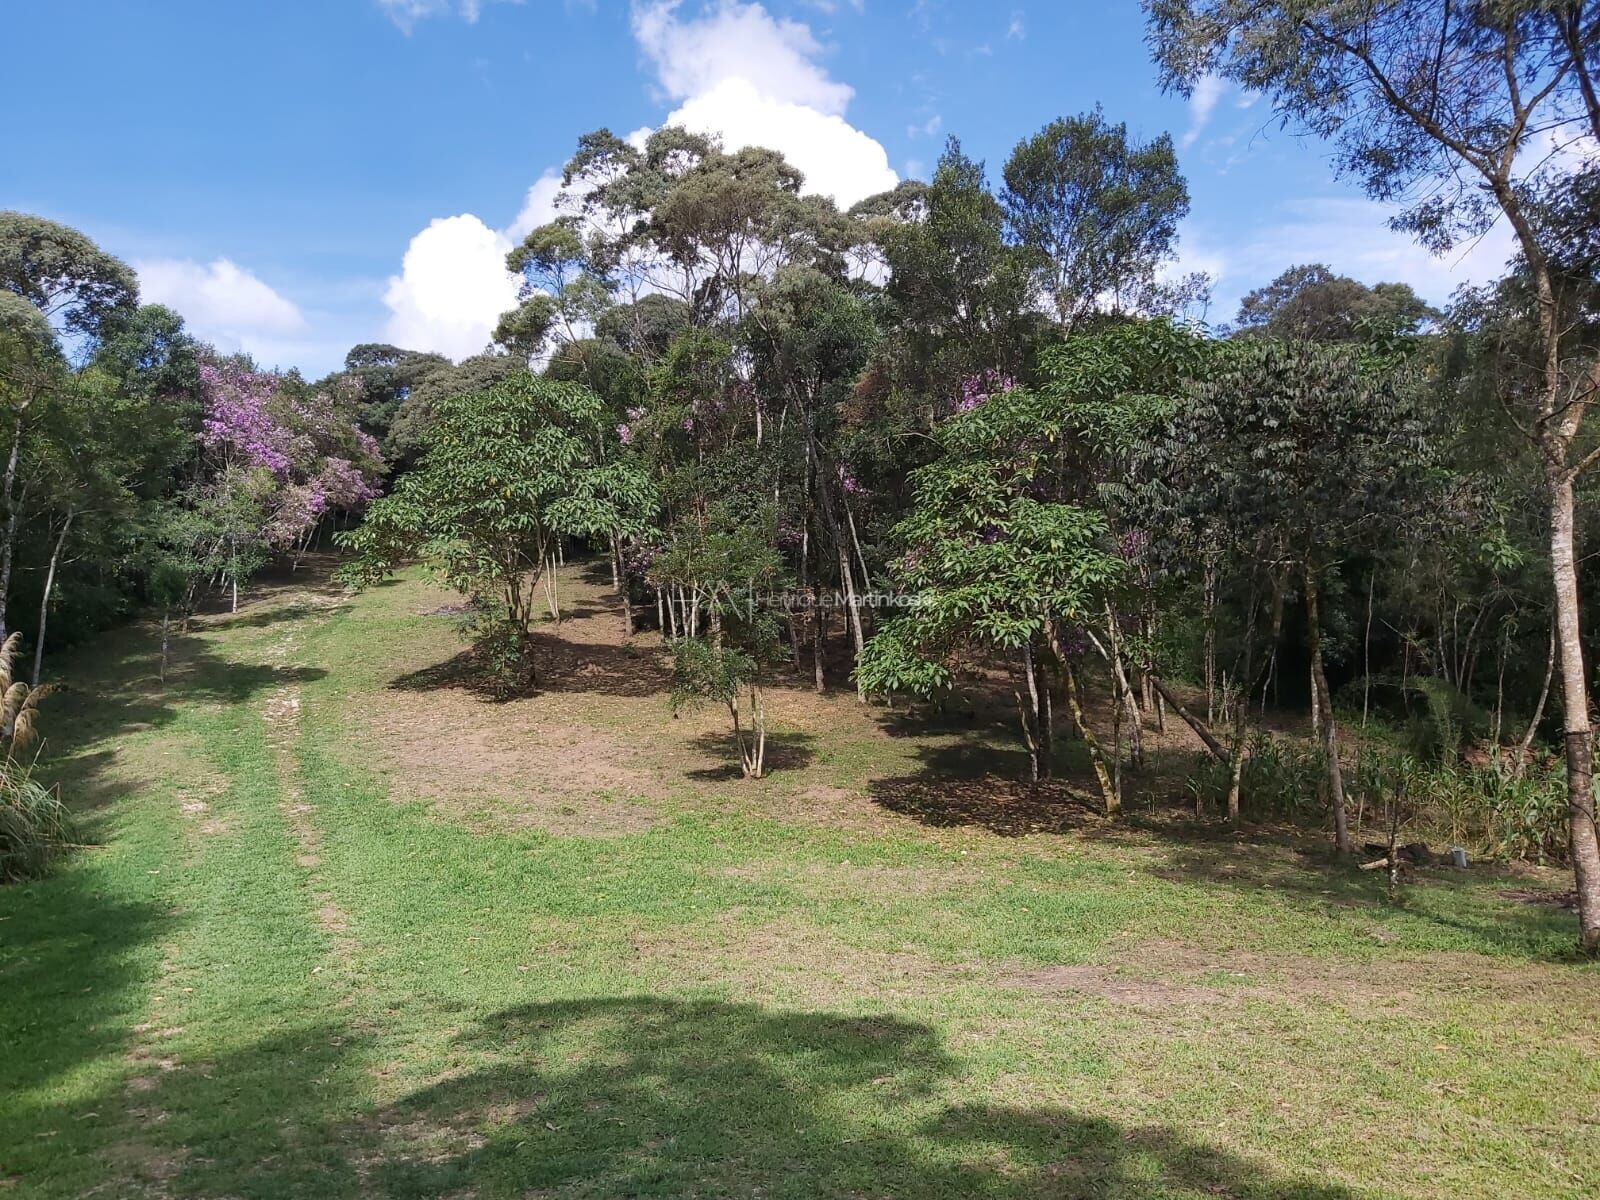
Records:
x=1029, y=713
x=166, y=625
x=8, y=545
x=1577, y=736
x=1201, y=729
x=44, y=600
x=1525, y=747
x=1108, y=793
x=1130, y=699
x=1322, y=699
x=818, y=627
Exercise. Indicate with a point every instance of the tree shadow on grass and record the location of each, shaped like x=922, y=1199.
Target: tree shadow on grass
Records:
x=639, y=1095
x=1460, y=908
x=69, y=971
x=563, y=666
x=987, y=787
x=786, y=751
x=118, y=693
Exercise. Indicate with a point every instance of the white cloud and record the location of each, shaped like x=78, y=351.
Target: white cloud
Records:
x=754, y=80
x=734, y=70
x=1202, y=103
x=406, y=13
x=1018, y=29
x=733, y=40
x=1351, y=236
x=452, y=287
x=538, y=206
x=220, y=301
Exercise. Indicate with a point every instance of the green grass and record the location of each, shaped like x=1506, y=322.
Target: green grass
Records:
x=292, y=968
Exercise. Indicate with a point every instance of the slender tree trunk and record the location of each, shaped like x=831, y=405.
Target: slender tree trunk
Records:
x=758, y=715
x=1236, y=761
x=1366, y=650
x=44, y=600
x=1210, y=644
x=166, y=625
x=1108, y=792
x=1322, y=698
x=819, y=618
x=1577, y=736
x=1029, y=713
x=846, y=575
x=1201, y=729
x=9, y=498
x=1130, y=700
x=1525, y=747
x=1075, y=706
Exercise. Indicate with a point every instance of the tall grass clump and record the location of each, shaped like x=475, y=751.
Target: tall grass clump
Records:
x=34, y=823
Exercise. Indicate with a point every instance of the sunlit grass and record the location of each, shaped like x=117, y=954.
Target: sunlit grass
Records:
x=288, y=972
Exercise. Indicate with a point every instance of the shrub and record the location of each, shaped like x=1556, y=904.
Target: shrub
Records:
x=34, y=824
x=1282, y=779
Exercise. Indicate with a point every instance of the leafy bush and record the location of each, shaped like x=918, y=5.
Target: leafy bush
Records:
x=1281, y=779
x=1500, y=812
x=34, y=824
x=502, y=649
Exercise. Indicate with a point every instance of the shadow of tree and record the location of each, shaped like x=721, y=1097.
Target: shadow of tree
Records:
x=987, y=787
x=563, y=666
x=1442, y=897
x=638, y=1095
x=786, y=751
x=68, y=966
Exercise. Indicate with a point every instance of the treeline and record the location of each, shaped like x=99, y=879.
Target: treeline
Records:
x=996, y=400
x=142, y=468
x=996, y=407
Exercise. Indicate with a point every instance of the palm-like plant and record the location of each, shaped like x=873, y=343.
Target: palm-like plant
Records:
x=19, y=703
x=34, y=824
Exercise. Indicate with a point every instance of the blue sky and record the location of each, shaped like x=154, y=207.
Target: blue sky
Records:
x=297, y=176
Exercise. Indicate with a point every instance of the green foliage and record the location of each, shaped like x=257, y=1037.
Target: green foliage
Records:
x=989, y=562
x=959, y=294
x=1293, y=452
x=1282, y=779
x=702, y=671
x=1098, y=213
x=63, y=273
x=1313, y=304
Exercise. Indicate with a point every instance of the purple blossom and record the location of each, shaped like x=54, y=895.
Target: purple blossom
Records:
x=314, y=458
x=237, y=419
x=975, y=389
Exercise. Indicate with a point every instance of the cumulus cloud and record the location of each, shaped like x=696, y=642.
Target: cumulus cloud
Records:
x=221, y=301
x=1202, y=103
x=734, y=40
x=538, y=206
x=452, y=287
x=733, y=70
x=755, y=80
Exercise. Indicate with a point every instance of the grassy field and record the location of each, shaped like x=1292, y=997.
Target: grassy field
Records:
x=350, y=929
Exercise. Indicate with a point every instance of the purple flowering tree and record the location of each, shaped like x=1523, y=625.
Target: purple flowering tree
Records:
x=288, y=458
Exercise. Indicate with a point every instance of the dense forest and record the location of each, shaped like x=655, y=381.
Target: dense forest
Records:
x=976, y=435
